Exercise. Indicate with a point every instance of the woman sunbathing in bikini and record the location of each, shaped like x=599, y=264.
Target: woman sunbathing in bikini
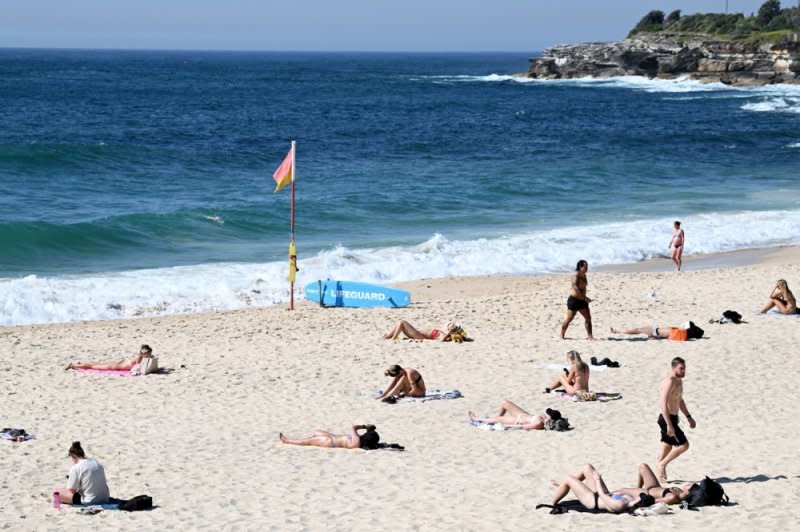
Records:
x=452, y=332
x=321, y=438
x=511, y=415
x=591, y=491
x=405, y=382
x=144, y=351
x=576, y=379
x=781, y=298
x=647, y=480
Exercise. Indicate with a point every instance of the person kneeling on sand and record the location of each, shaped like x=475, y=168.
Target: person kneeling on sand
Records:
x=511, y=415
x=144, y=351
x=86, y=482
x=576, y=379
x=452, y=332
x=320, y=438
x=588, y=486
x=405, y=383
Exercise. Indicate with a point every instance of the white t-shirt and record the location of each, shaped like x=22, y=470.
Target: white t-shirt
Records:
x=88, y=478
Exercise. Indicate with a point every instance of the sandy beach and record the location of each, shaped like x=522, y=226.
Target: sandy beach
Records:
x=203, y=440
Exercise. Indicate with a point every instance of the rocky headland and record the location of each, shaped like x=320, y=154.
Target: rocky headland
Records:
x=668, y=57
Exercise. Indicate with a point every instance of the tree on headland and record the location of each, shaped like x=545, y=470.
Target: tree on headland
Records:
x=771, y=24
x=653, y=21
x=768, y=11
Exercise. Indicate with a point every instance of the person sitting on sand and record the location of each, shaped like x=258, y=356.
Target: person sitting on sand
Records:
x=321, y=438
x=451, y=332
x=511, y=415
x=86, y=482
x=405, y=383
x=576, y=379
x=782, y=299
x=588, y=486
x=659, y=333
x=144, y=351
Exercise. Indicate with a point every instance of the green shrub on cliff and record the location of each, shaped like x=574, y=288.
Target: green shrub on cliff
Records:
x=653, y=21
x=766, y=26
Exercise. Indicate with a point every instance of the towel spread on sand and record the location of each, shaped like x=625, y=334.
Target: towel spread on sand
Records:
x=561, y=367
x=15, y=435
x=603, y=397
x=122, y=372
x=485, y=426
x=433, y=395
x=776, y=312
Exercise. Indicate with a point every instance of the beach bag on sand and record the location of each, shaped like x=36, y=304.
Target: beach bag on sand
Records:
x=732, y=315
x=694, y=331
x=707, y=492
x=140, y=502
x=148, y=365
x=558, y=425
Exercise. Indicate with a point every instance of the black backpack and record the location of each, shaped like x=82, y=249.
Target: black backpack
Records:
x=707, y=492
x=140, y=502
x=694, y=331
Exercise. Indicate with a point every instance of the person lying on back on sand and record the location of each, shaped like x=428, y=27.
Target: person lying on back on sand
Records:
x=782, y=299
x=647, y=480
x=405, y=383
x=144, y=351
x=511, y=415
x=322, y=438
x=591, y=491
x=574, y=380
x=659, y=333
x=451, y=332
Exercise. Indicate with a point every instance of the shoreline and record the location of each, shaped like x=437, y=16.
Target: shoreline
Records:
x=445, y=287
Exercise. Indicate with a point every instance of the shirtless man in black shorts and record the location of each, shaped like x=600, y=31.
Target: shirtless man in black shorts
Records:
x=577, y=300
x=673, y=440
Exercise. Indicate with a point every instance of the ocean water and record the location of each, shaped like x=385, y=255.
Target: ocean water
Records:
x=139, y=183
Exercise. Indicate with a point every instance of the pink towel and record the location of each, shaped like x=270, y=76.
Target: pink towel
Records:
x=117, y=372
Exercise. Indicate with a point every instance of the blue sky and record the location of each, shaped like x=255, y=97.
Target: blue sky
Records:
x=335, y=25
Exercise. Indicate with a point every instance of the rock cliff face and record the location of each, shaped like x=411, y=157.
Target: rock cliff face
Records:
x=659, y=56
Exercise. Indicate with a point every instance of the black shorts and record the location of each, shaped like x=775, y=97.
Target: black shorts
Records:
x=76, y=498
x=678, y=439
x=575, y=304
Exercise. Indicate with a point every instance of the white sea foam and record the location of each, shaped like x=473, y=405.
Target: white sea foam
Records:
x=214, y=287
x=794, y=145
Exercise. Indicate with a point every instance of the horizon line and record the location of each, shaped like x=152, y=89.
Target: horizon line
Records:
x=223, y=50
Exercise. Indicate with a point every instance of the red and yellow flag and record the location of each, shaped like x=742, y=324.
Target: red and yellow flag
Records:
x=283, y=175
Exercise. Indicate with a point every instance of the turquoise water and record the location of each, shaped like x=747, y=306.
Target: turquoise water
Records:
x=139, y=183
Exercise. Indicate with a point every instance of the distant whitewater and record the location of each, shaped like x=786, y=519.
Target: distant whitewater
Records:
x=138, y=183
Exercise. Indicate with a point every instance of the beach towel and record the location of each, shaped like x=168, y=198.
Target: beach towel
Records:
x=776, y=312
x=432, y=395
x=582, y=397
x=15, y=435
x=122, y=372
x=486, y=426
x=561, y=367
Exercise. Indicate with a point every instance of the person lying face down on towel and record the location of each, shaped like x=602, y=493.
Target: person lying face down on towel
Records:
x=405, y=382
x=321, y=438
x=511, y=415
x=576, y=379
x=452, y=332
x=144, y=351
x=679, y=334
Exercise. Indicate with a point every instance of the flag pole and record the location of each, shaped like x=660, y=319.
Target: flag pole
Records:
x=292, y=249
